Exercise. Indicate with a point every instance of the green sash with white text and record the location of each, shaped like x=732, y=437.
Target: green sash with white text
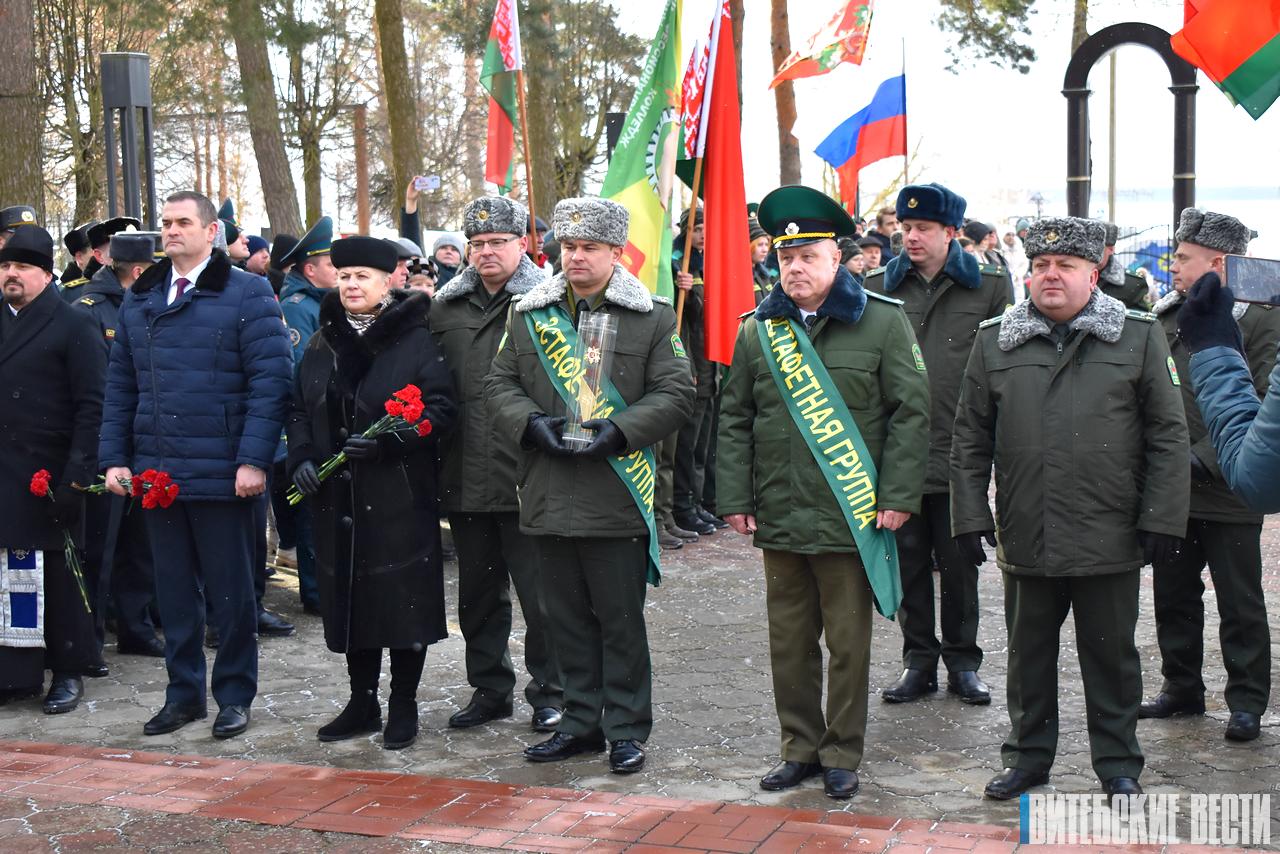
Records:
x=833, y=438
x=556, y=342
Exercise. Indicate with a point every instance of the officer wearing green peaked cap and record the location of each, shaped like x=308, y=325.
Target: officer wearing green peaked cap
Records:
x=824, y=424
x=796, y=215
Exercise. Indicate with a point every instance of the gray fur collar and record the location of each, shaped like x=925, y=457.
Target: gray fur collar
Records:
x=1113, y=273
x=623, y=290
x=1173, y=299
x=526, y=277
x=1102, y=316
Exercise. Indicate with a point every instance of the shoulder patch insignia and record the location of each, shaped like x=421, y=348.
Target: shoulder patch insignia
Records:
x=991, y=321
x=1134, y=314
x=919, y=357
x=295, y=337
x=295, y=299
x=75, y=283
x=677, y=347
x=991, y=269
x=1173, y=371
x=109, y=334
x=89, y=301
x=884, y=298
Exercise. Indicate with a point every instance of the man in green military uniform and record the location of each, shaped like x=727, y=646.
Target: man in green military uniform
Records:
x=946, y=294
x=1115, y=281
x=1221, y=530
x=827, y=388
x=478, y=485
x=590, y=508
x=1077, y=402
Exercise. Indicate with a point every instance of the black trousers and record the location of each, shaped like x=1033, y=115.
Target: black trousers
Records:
x=1234, y=556
x=691, y=458
x=130, y=572
x=493, y=554
x=594, y=588
x=923, y=538
x=1105, y=608
x=206, y=551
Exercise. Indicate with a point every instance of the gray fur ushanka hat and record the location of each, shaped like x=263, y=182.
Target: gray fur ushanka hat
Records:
x=588, y=218
x=1066, y=235
x=495, y=215
x=1213, y=231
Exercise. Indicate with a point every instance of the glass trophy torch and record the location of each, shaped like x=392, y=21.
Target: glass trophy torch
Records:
x=597, y=331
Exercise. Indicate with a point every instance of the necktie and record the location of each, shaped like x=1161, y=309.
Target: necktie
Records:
x=182, y=284
x=582, y=308
x=809, y=321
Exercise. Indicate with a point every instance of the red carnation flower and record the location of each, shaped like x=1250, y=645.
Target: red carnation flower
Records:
x=40, y=483
x=395, y=407
x=168, y=495
x=409, y=393
x=424, y=427
x=412, y=411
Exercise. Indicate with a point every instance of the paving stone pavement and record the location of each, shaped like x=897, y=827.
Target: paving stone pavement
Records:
x=715, y=731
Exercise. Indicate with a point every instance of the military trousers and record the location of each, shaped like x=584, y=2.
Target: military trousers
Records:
x=691, y=458
x=492, y=555
x=1233, y=553
x=807, y=596
x=594, y=589
x=922, y=541
x=1105, y=608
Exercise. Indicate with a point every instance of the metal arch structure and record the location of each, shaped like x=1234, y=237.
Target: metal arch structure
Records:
x=1075, y=86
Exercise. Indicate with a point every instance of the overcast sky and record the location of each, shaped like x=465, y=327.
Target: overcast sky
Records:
x=997, y=136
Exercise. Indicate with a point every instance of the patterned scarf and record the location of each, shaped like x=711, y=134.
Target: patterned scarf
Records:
x=361, y=322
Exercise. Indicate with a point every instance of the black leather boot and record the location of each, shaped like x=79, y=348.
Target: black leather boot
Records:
x=363, y=714
x=402, y=707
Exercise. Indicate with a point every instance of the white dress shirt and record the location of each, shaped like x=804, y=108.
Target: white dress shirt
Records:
x=191, y=276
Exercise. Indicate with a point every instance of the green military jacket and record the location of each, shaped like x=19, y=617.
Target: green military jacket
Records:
x=763, y=465
x=944, y=315
x=1087, y=436
x=574, y=497
x=479, y=465
x=1211, y=498
x=1115, y=281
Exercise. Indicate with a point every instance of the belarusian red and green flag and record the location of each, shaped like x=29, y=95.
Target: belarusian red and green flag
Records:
x=843, y=39
x=642, y=171
x=502, y=59
x=1237, y=44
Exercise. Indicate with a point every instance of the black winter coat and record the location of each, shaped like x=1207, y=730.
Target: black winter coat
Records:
x=377, y=529
x=52, y=371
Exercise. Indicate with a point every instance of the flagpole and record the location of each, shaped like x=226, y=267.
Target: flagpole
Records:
x=688, y=239
x=906, y=156
x=528, y=166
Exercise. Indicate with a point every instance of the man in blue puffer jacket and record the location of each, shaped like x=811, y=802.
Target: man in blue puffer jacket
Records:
x=197, y=386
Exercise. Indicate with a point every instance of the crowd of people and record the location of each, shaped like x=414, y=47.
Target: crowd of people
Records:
x=351, y=394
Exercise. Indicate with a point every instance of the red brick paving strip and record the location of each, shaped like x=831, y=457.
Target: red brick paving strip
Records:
x=470, y=812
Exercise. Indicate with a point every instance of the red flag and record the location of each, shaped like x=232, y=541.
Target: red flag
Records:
x=693, y=88
x=843, y=39
x=726, y=256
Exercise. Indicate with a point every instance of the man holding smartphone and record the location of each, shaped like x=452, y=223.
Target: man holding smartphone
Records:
x=1221, y=530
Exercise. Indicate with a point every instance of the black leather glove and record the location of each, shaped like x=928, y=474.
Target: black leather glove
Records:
x=307, y=478
x=546, y=434
x=608, y=440
x=970, y=545
x=361, y=449
x=1158, y=548
x=66, y=506
x=1205, y=319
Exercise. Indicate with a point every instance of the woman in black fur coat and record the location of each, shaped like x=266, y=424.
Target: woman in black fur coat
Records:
x=377, y=532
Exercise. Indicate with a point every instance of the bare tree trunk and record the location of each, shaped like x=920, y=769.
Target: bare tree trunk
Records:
x=222, y=152
x=397, y=93
x=244, y=18
x=311, y=178
x=784, y=96
x=21, y=176
x=540, y=78
x=474, y=127
x=197, y=160
x=1079, y=24
x=208, y=159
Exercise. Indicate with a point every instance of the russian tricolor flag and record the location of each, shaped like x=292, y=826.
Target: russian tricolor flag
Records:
x=877, y=131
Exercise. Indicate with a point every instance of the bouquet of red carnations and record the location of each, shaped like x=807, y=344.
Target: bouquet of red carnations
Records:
x=155, y=488
x=404, y=411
